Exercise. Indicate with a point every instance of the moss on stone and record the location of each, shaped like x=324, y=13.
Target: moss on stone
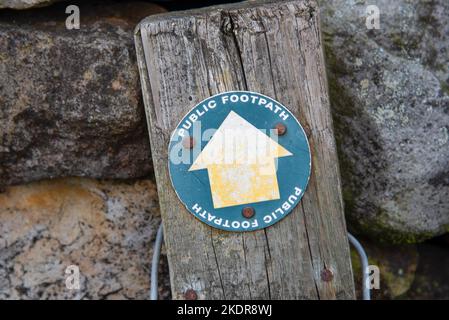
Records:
x=444, y=87
x=380, y=230
x=397, y=41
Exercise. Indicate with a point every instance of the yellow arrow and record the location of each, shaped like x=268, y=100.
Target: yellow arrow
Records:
x=240, y=160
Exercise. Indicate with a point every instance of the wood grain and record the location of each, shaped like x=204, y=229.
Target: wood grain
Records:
x=273, y=48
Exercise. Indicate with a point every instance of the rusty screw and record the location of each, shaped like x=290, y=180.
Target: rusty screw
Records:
x=248, y=212
x=188, y=142
x=190, y=294
x=281, y=129
x=327, y=275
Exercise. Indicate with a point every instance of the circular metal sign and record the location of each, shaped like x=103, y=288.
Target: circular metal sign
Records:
x=239, y=161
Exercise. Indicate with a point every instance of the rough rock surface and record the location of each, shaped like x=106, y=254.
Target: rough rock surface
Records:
x=105, y=228
x=397, y=267
x=70, y=100
x=431, y=275
x=24, y=4
x=390, y=98
x=407, y=271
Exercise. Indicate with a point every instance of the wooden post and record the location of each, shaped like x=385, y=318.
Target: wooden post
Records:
x=273, y=48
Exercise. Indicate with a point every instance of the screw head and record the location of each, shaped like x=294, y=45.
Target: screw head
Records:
x=248, y=212
x=327, y=275
x=188, y=142
x=281, y=129
x=190, y=294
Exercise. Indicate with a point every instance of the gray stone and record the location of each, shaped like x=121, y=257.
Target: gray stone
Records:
x=390, y=98
x=24, y=4
x=70, y=99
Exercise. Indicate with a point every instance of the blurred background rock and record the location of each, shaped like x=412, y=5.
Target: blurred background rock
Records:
x=71, y=107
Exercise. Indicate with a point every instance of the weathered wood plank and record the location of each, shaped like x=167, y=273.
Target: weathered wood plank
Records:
x=275, y=49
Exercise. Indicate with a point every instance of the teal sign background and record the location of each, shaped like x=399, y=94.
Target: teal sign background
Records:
x=193, y=187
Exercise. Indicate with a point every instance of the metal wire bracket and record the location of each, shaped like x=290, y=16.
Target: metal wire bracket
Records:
x=365, y=271
x=155, y=262
x=157, y=253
